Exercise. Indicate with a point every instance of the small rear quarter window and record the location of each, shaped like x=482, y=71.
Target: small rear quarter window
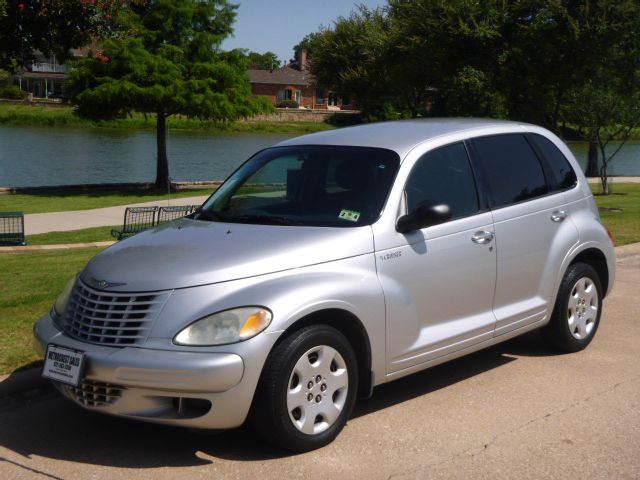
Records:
x=560, y=175
x=513, y=170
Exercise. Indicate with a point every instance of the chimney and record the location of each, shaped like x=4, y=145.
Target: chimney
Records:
x=302, y=59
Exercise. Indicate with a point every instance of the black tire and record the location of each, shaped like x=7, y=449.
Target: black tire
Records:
x=559, y=333
x=270, y=413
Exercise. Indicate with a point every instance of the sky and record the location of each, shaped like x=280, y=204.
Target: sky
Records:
x=278, y=25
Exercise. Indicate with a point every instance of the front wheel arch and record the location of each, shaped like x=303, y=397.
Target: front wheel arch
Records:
x=352, y=328
x=315, y=372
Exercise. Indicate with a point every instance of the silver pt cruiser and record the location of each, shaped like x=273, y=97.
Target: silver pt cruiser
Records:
x=329, y=264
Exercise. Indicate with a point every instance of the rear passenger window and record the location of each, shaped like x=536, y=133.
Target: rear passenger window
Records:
x=444, y=176
x=513, y=171
x=560, y=175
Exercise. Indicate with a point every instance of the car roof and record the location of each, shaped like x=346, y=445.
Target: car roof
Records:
x=400, y=136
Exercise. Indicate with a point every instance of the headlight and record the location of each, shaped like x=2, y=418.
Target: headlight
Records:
x=63, y=298
x=229, y=326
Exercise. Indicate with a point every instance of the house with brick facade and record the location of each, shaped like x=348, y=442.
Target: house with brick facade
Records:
x=293, y=83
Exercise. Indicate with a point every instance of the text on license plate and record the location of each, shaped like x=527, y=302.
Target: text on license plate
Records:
x=63, y=364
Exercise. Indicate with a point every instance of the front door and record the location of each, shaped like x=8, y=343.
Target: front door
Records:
x=439, y=282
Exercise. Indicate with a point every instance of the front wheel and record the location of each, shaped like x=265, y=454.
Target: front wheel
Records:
x=307, y=389
x=577, y=311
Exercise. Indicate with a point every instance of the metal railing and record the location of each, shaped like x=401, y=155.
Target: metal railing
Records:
x=48, y=67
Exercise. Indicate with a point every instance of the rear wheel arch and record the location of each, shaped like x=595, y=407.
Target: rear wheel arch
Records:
x=597, y=260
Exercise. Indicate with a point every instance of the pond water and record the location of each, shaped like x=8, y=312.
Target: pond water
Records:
x=62, y=156
x=36, y=156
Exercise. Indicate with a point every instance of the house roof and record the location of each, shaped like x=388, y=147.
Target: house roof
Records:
x=288, y=75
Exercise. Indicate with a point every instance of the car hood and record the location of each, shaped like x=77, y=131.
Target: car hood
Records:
x=188, y=252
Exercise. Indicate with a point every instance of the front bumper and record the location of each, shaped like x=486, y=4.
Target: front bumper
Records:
x=199, y=390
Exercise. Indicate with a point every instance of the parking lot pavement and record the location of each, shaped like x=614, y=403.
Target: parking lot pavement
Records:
x=514, y=411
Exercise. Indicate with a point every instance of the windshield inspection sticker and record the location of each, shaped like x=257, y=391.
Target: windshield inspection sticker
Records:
x=350, y=215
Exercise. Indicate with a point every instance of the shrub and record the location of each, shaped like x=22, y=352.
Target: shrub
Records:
x=12, y=92
x=344, y=119
x=288, y=104
x=5, y=78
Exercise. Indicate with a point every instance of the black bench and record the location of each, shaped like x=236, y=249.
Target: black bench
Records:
x=136, y=219
x=12, y=228
x=166, y=214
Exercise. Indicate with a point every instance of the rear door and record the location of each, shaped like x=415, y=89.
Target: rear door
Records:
x=533, y=231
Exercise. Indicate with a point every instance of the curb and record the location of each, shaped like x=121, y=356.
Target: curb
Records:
x=627, y=251
x=30, y=379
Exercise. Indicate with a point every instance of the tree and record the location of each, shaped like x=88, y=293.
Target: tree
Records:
x=603, y=105
x=396, y=61
x=607, y=114
x=263, y=61
x=307, y=43
x=523, y=59
x=170, y=63
x=444, y=51
x=350, y=60
x=51, y=27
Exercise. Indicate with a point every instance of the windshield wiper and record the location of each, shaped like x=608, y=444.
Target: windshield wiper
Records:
x=262, y=219
x=209, y=215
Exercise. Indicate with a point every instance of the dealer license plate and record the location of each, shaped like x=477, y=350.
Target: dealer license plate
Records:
x=63, y=365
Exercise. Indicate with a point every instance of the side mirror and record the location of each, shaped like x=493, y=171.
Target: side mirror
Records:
x=425, y=215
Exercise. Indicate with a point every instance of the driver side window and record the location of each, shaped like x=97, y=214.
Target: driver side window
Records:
x=444, y=176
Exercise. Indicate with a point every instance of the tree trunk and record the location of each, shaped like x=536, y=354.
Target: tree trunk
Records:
x=604, y=180
x=162, y=165
x=604, y=174
x=592, y=159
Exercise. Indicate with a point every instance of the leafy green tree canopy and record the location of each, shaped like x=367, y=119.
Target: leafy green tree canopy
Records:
x=263, y=61
x=519, y=59
x=350, y=58
x=52, y=27
x=307, y=43
x=169, y=63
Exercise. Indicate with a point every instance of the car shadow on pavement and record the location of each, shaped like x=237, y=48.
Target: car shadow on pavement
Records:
x=422, y=383
x=42, y=423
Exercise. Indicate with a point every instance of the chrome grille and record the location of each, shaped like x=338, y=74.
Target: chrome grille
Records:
x=107, y=318
x=94, y=394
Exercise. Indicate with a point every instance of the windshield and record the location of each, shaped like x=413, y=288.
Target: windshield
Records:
x=306, y=185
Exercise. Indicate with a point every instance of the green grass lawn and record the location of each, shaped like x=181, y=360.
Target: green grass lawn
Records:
x=64, y=201
x=62, y=116
x=29, y=284
x=625, y=224
x=97, y=234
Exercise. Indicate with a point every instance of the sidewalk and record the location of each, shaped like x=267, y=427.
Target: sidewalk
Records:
x=35, y=223
x=615, y=180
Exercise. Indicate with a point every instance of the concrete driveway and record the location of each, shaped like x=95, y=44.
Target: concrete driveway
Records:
x=514, y=411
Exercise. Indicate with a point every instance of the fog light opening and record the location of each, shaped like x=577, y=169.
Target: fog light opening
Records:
x=186, y=407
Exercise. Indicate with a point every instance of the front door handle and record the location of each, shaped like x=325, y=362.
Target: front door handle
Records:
x=558, y=216
x=482, y=237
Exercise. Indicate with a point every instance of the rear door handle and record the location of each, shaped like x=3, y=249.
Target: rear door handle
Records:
x=558, y=216
x=482, y=237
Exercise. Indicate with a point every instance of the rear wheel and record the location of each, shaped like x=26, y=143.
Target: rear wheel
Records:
x=577, y=311
x=307, y=389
